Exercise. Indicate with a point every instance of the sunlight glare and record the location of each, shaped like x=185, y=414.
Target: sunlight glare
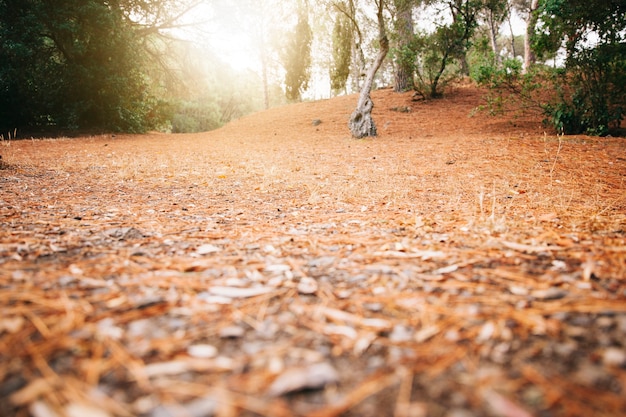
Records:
x=230, y=39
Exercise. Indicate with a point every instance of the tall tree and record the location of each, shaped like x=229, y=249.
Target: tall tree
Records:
x=297, y=56
x=494, y=13
x=343, y=35
x=404, y=54
x=349, y=8
x=260, y=19
x=527, y=9
x=464, y=21
x=446, y=45
x=361, y=122
x=77, y=64
x=593, y=34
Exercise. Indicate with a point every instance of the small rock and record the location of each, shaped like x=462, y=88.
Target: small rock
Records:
x=316, y=122
x=231, y=332
x=575, y=331
x=207, y=248
x=125, y=233
x=41, y=409
x=604, y=322
x=202, y=351
x=374, y=307
x=202, y=407
x=12, y=324
x=589, y=374
x=401, y=333
x=552, y=293
x=313, y=376
x=307, y=286
x=614, y=357
x=486, y=332
x=565, y=349
x=517, y=290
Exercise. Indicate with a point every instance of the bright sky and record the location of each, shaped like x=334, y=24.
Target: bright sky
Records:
x=225, y=29
x=220, y=29
x=227, y=36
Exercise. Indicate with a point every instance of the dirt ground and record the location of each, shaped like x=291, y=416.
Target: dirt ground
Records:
x=457, y=265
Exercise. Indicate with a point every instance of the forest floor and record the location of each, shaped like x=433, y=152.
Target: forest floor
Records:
x=457, y=265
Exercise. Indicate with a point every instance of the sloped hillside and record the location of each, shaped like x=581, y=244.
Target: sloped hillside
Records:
x=453, y=266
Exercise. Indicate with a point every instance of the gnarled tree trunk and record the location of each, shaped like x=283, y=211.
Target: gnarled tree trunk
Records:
x=361, y=123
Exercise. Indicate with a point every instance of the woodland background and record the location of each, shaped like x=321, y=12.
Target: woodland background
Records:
x=193, y=65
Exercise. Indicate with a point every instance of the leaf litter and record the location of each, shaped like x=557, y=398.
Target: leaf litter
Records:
x=277, y=267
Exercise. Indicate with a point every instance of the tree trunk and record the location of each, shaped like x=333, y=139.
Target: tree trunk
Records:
x=266, y=90
x=531, y=20
x=513, y=51
x=403, y=77
x=361, y=123
x=493, y=35
x=455, y=8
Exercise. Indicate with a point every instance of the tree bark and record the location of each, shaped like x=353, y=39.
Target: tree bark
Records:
x=531, y=20
x=513, y=51
x=403, y=77
x=361, y=123
x=493, y=35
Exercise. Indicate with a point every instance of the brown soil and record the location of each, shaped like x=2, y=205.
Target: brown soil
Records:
x=452, y=266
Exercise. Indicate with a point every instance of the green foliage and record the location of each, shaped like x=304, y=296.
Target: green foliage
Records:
x=73, y=64
x=297, y=57
x=403, y=52
x=592, y=91
x=481, y=59
x=208, y=93
x=490, y=72
x=432, y=67
x=342, y=49
x=588, y=94
x=511, y=89
x=440, y=55
x=407, y=55
x=196, y=116
x=574, y=24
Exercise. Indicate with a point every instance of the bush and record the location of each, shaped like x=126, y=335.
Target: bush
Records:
x=587, y=99
x=591, y=92
x=196, y=116
x=437, y=57
x=592, y=86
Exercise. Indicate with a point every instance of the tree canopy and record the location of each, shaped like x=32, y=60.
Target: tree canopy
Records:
x=124, y=66
x=71, y=64
x=592, y=84
x=297, y=56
